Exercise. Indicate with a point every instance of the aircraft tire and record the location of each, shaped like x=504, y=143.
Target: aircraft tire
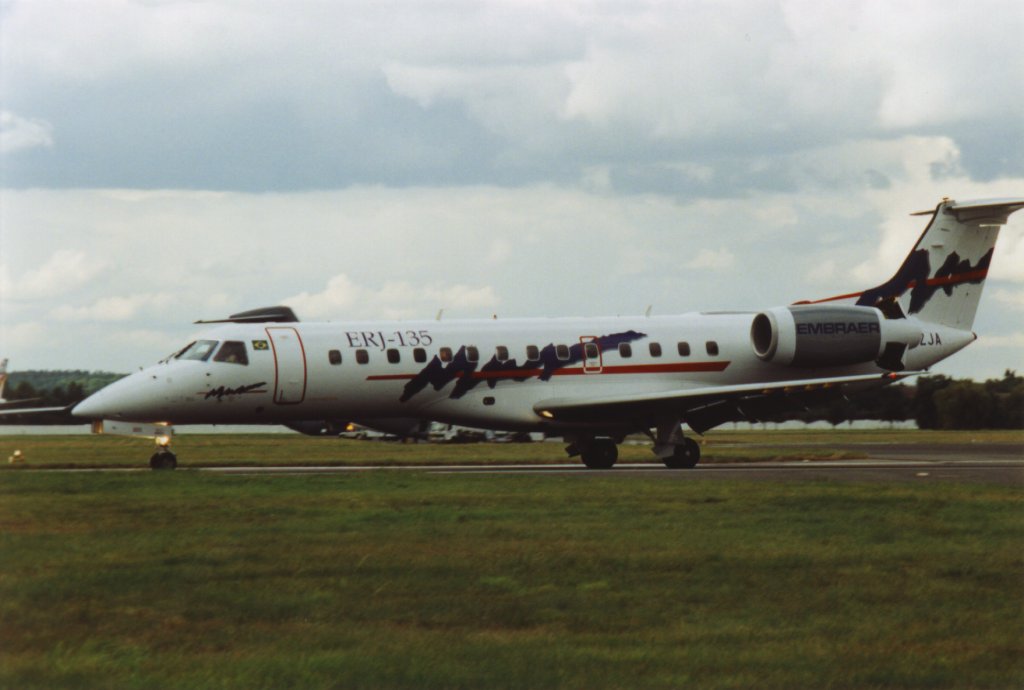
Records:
x=163, y=460
x=600, y=455
x=685, y=456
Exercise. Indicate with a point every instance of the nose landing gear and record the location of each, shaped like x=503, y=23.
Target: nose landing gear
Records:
x=163, y=458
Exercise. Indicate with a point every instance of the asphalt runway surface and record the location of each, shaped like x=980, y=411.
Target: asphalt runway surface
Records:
x=998, y=463
x=989, y=462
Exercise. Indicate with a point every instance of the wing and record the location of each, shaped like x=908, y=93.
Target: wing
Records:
x=706, y=408
x=43, y=416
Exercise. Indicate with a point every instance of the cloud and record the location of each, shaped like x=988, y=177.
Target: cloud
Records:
x=18, y=133
x=713, y=259
x=537, y=159
x=64, y=271
x=687, y=95
x=1014, y=340
x=1011, y=299
x=114, y=308
x=344, y=299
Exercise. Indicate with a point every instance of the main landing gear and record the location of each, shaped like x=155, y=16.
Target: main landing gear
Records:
x=599, y=454
x=672, y=448
x=163, y=458
x=684, y=456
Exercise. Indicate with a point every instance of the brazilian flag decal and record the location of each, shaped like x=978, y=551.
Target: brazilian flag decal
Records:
x=260, y=345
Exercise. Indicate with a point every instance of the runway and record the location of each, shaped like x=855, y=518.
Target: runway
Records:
x=998, y=463
x=989, y=462
x=1010, y=473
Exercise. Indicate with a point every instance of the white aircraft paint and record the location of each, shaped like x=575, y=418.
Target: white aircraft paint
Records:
x=590, y=380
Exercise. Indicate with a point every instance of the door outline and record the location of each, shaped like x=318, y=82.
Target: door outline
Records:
x=287, y=357
x=591, y=365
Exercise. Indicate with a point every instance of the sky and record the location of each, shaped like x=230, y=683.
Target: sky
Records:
x=165, y=161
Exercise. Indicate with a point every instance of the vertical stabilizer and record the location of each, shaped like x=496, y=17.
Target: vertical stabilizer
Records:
x=3, y=377
x=941, y=280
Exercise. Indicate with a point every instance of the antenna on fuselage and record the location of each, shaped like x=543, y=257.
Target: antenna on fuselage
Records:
x=440, y=313
x=647, y=312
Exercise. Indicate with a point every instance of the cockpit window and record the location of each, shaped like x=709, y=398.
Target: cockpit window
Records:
x=200, y=349
x=232, y=352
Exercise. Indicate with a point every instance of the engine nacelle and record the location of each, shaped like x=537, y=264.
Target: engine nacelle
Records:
x=818, y=335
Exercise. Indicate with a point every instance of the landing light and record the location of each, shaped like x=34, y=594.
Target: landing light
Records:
x=547, y=414
x=163, y=440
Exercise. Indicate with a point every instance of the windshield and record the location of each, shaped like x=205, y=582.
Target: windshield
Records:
x=200, y=349
x=232, y=352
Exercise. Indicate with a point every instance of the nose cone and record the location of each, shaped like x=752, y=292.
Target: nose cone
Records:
x=126, y=399
x=99, y=405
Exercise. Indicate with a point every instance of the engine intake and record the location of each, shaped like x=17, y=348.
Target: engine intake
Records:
x=829, y=335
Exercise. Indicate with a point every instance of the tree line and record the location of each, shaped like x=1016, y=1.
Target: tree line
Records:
x=48, y=388
x=933, y=402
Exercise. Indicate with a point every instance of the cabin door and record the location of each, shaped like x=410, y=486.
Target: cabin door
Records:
x=289, y=365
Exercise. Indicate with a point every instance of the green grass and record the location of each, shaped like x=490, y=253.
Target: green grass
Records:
x=295, y=449
x=382, y=580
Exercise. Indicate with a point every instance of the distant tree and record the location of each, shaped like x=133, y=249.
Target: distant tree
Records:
x=1007, y=396
x=964, y=405
x=893, y=405
x=925, y=413
x=837, y=411
x=23, y=390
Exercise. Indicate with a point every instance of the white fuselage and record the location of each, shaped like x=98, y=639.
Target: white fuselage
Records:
x=425, y=370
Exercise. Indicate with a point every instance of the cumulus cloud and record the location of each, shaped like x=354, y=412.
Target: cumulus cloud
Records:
x=342, y=298
x=114, y=308
x=497, y=91
x=64, y=271
x=17, y=133
x=382, y=159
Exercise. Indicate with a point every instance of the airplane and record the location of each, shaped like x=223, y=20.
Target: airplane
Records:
x=591, y=381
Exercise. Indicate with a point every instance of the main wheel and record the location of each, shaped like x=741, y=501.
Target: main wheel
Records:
x=601, y=454
x=163, y=460
x=685, y=455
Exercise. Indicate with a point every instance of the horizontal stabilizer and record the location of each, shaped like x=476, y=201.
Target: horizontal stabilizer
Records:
x=280, y=314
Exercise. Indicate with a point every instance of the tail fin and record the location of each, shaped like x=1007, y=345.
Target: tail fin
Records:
x=941, y=280
x=3, y=377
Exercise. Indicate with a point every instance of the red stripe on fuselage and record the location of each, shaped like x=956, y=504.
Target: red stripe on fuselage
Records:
x=674, y=368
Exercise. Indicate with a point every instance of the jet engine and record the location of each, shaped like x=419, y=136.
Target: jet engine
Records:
x=831, y=335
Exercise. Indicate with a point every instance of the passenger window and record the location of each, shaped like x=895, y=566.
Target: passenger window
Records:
x=655, y=349
x=562, y=352
x=334, y=356
x=472, y=354
x=712, y=347
x=501, y=352
x=445, y=354
x=362, y=356
x=592, y=350
x=419, y=355
x=232, y=352
x=684, y=348
x=199, y=350
x=532, y=353
x=394, y=356
x=625, y=350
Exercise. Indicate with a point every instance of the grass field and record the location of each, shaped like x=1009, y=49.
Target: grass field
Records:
x=295, y=449
x=382, y=580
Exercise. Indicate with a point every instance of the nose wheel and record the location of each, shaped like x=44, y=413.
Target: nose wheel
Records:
x=163, y=458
